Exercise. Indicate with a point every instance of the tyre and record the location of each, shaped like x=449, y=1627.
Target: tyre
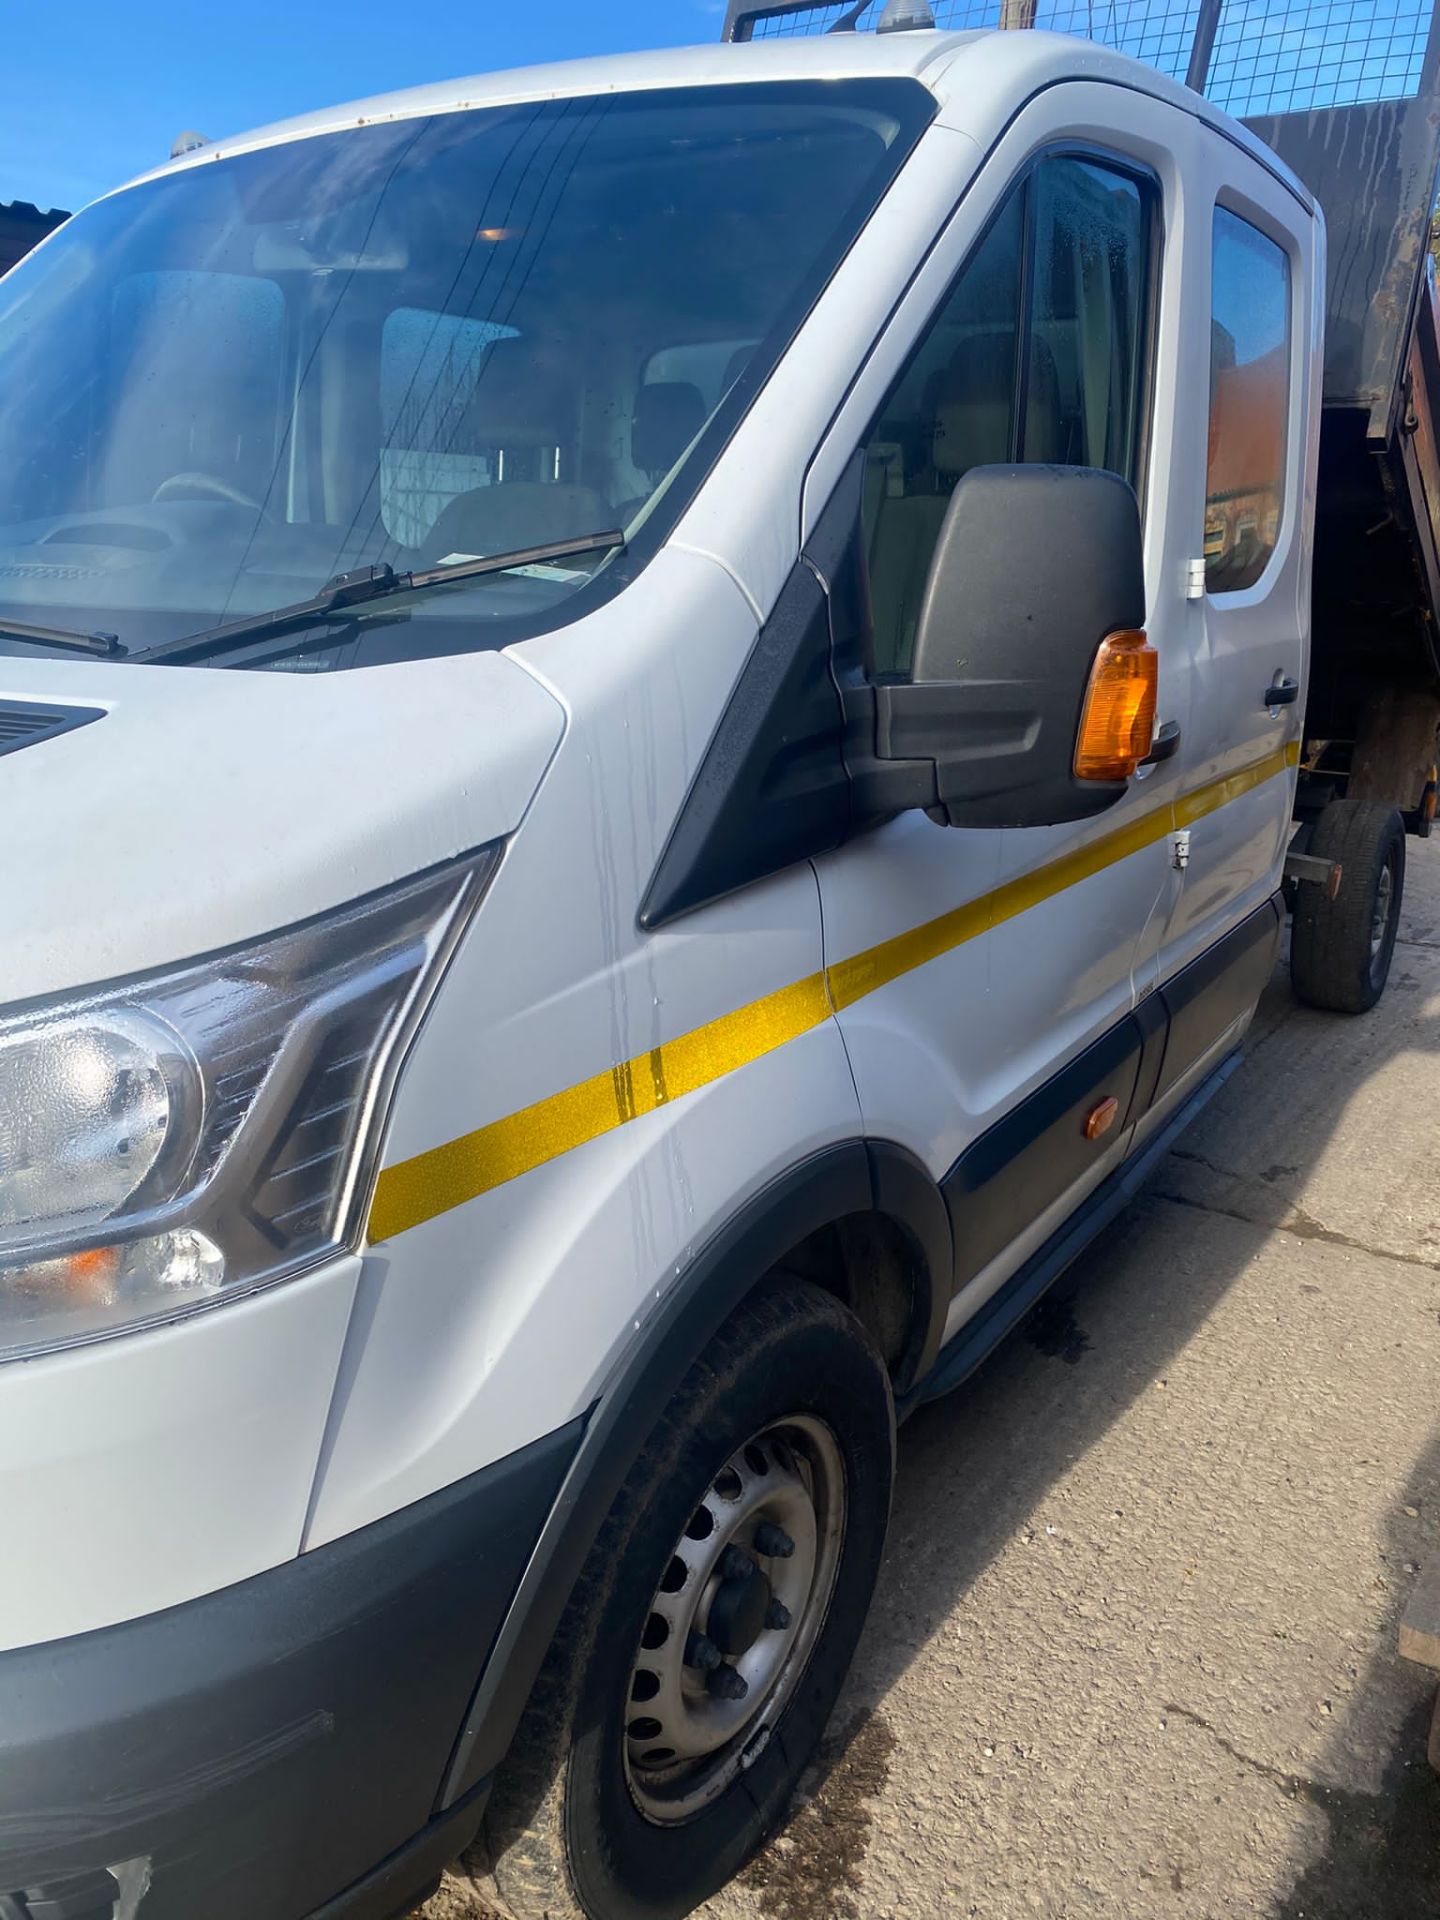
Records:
x=1341, y=949
x=709, y=1634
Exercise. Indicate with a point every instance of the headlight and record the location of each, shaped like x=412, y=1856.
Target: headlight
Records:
x=195, y=1134
x=88, y=1107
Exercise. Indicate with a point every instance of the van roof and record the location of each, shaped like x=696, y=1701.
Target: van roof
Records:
x=1019, y=64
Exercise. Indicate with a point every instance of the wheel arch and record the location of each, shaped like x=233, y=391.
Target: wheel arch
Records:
x=851, y=1181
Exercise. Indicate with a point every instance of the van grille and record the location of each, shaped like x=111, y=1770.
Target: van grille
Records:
x=27, y=726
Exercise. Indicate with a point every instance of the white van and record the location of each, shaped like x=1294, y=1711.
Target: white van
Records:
x=602, y=886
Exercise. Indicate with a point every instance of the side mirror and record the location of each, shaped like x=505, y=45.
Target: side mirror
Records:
x=1032, y=687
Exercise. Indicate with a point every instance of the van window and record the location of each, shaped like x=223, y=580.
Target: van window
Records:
x=1055, y=374
x=1249, y=402
x=1087, y=359
x=415, y=340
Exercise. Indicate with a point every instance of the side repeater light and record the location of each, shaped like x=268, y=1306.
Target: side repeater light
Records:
x=1117, y=723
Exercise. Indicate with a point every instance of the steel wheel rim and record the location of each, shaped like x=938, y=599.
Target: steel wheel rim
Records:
x=1380, y=913
x=684, y=1743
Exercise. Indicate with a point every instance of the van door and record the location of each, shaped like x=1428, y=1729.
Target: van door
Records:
x=985, y=981
x=1254, y=261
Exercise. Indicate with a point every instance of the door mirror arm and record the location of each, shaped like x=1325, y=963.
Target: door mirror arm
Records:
x=885, y=780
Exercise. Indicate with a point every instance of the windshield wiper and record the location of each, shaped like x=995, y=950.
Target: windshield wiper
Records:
x=338, y=598
x=107, y=645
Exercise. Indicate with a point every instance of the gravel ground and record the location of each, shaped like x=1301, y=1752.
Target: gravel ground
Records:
x=1133, y=1650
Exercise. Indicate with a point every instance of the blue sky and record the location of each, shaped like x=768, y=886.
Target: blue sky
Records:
x=93, y=91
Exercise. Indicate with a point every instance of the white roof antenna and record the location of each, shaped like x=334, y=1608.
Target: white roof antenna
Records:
x=187, y=142
x=905, y=16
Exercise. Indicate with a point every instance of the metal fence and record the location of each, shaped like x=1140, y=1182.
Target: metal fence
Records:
x=1250, y=56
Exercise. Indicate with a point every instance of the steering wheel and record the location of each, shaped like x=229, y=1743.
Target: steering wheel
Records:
x=206, y=486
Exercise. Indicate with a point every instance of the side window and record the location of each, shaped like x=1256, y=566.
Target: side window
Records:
x=1038, y=352
x=952, y=408
x=1249, y=402
x=1087, y=318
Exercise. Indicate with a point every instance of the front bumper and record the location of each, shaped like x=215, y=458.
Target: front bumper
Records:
x=273, y=1751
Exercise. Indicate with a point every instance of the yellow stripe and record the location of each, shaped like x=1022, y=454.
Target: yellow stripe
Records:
x=850, y=980
x=446, y=1176
x=1219, y=793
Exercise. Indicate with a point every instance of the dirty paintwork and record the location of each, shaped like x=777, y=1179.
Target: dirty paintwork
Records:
x=1373, y=169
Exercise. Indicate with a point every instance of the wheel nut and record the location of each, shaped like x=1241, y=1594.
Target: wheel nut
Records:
x=777, y=1616
x=773, y=1541
x=736, y=1564
x=726, y=1683
x=702, y=1652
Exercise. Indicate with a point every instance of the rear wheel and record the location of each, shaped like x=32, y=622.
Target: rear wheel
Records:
x=1341, y=949
x=712, y=1627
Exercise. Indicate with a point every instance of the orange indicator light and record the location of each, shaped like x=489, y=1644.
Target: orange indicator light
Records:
x=88, y=1275
x=1118, y=721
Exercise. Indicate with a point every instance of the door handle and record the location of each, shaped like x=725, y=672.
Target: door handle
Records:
x=1282, y=691
x=1166, y=741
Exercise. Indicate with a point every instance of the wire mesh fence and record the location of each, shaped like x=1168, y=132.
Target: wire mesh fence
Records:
x=1269, y=56
x=1320, y=53
x=1160, y=31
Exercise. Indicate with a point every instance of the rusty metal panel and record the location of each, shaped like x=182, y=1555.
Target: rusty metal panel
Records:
x=1373, y=169
x=1420, y=419
x=1418, y=438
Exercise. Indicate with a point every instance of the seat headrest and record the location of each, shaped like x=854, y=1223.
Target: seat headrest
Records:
x=668, y=415
x=972, y=417
x=523, y=397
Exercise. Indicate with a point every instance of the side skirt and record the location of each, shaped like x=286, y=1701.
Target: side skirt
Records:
x=978, y=1339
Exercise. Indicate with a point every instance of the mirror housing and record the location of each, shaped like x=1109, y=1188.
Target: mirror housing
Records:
x=1034, y=568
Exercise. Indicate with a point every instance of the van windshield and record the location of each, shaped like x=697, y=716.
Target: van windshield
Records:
x=410, y=343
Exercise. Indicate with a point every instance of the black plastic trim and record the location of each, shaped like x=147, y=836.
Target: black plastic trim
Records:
x=25, y=723
x=408, y=1873
x=979, y=1337
x=1033, y=567
x=848, y=1178
x=1154, y=1022
x=1023, y=1163
x=771, y=788
x=265, y=1745
x=905, y=1191
x=1216, y=989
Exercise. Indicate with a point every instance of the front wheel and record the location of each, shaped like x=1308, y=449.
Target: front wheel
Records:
x=712, y=1627
x=1341, y=949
